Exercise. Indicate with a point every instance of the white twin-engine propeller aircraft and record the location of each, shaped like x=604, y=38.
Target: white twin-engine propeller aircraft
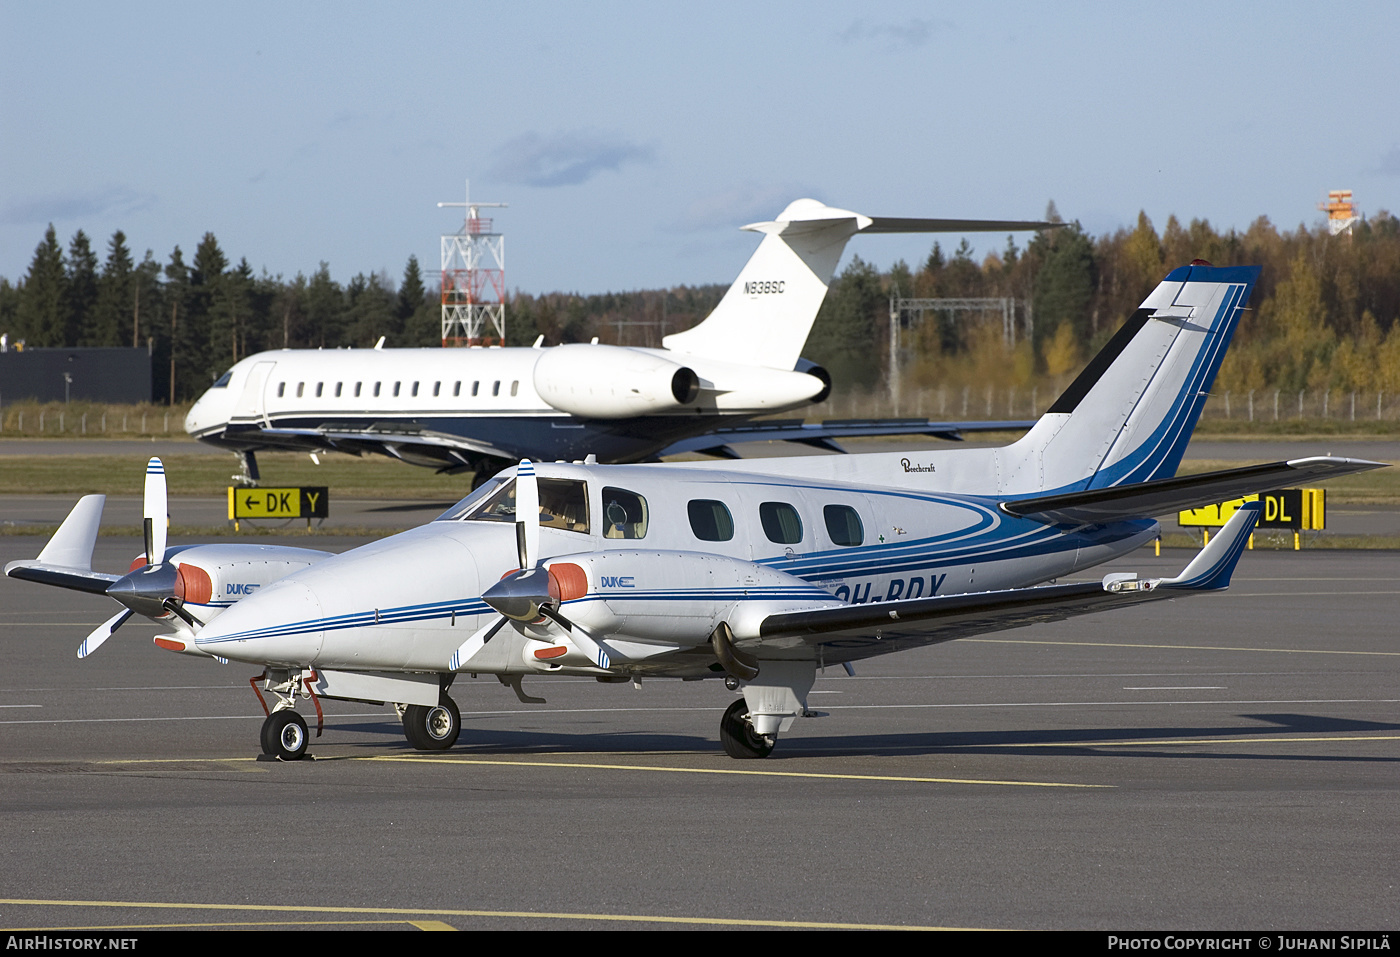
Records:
x=755, y=571
x=480, y=409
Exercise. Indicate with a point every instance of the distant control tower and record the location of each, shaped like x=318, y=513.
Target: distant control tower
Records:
x=1341, y=213
x=474, y=280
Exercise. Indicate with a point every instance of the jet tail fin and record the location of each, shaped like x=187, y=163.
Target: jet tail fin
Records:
x=765, y=316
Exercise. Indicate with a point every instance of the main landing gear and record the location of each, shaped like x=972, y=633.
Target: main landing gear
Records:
x=739, y=738
x=435, y=728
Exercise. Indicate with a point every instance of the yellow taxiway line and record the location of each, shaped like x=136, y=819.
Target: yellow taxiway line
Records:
x=441, y=913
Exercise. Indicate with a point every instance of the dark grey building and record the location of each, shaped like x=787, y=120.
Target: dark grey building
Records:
x=97, y=374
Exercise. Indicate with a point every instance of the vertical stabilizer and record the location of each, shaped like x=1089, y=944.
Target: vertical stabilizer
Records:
x=765, y=316
x=1129, y=415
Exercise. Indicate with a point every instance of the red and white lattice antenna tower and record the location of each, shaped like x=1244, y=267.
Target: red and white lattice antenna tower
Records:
x=474, y=280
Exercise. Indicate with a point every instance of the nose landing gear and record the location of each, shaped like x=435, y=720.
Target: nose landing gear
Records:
x=284, y=735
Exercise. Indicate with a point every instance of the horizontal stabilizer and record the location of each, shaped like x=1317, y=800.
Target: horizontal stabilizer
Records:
x=894, y=224
x=796, y=430
x=66, y=561
x=849, y=632
x=1161, y=496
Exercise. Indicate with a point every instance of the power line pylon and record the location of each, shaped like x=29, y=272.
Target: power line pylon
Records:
x=474, y=279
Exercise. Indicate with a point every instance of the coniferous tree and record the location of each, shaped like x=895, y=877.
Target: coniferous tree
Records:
x=82, y=289
x=116, y=296
x=43, y=307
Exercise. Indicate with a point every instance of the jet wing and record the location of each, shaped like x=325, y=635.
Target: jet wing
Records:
x=821, y=434
x=860, y=631
x=1161, y=496
x=415, y=446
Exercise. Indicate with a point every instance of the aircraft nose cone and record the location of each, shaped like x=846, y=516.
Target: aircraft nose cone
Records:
x=280, y=624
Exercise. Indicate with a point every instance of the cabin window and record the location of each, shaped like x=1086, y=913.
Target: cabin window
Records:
x=301, y=388
x=843, y=525
x=781, y=523
x=281, y=389
x=563, y=505
x=320, y=387
x=222, y=381
x=515, y=387
x=338, y=386
x=396, y=389
x=376, y=390
x=710, y=520
x=414, y=391
x=496, y=388
x=624, y=514
x=357, y=389
x=437, y=388
x=457, y=389
x=475, y=387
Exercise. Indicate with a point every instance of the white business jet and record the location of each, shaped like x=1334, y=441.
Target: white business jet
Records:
x=479, y=409
x=757, y=572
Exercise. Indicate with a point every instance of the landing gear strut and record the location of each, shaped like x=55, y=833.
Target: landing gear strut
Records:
x=284, y=735
x=739, y=738
x=435, y=728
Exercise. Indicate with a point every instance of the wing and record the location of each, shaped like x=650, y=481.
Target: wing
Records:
x=404, y=442
x=820, y=434
x=861, y=631
x=1161, y=496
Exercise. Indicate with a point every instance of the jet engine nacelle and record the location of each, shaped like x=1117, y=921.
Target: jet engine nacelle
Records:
x=612, y=382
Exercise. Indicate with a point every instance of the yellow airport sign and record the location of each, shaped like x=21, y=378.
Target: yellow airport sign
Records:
x=302, y=502
x=1290, y=508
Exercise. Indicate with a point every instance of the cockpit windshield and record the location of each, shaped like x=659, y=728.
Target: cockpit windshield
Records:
x=222, y=381
x=463, y=508
x=563, y=504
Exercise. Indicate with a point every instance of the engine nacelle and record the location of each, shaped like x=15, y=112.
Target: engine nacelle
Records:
x=678, y=597
x=612, y=382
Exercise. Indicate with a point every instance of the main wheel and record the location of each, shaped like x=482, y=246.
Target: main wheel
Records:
x=435, y=728
x=284, y=735
x=739, y=738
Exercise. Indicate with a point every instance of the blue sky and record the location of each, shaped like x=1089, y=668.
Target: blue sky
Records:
x=631, y=140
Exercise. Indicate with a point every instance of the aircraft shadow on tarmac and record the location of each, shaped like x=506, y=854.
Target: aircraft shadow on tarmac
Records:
x=1097, y=742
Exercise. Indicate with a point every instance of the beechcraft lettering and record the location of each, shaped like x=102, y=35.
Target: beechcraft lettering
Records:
x=757, y=572
x=459, y=410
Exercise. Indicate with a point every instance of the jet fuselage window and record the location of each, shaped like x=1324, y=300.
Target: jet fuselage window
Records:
x=338, y=387
x=281, y=389
x=843, y=525
x=376, y=390
x=437, y=388
x=396, y=389
x=475, y=387
x=301, y=387
x=457, y=389
x=710, y=520
x=624, y=514
x=496, y=388
x=357, y=389
x=515, y=387
x=781, y=523
x=414, y=391
x=320, y=387
x=563, y=505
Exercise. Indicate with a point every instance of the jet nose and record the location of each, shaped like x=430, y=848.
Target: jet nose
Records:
x=280, y=624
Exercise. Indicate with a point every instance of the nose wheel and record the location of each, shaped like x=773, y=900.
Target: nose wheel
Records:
x=284, y=735
x=737, y=735
x=435, y=728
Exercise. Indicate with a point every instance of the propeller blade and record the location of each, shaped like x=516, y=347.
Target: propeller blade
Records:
x=475, y=643
x=155, y=513
x=601, y=654
x=102, y=632
x=527, y=514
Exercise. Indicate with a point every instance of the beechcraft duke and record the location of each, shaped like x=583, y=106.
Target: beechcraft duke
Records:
x=756, y=572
